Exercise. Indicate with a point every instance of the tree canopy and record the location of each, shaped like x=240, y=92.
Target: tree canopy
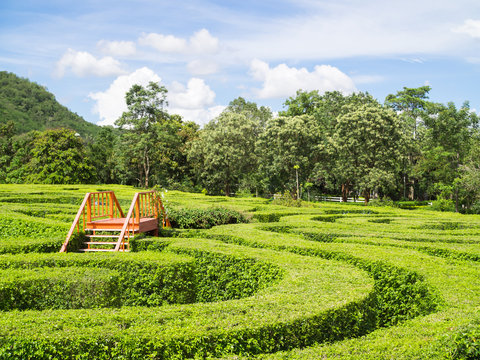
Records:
x=321, y=143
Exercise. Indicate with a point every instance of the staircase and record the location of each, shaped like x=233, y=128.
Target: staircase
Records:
x=108, y=229
x=103, y=240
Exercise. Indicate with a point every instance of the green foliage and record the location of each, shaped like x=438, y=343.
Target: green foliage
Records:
x=31, y=107
x=267, y=217
x=49, y=288
x=225, y=151
x=220, y=278
x=368, y=142
x=286, y=199
x=59, y=157
x=352, y=288
x=204, y=218
x=463, y=343
x=443, y=205
x=286, y=142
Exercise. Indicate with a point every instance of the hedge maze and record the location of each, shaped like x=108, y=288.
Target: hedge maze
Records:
x=240, y=278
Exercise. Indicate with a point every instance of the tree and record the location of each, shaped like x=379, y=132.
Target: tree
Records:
x=7, y=131
x=469, y=180
x=224, y=152
x=102, y=154
x=447, y=143
x=368, y=142
x=171, y=147
x=329, y=108
x=304, y=103
x=59, y=157
x=259, y=115
x=411, y=104
x=22, y=145
x=251, y=181
x=288, y=141
x=145, y=110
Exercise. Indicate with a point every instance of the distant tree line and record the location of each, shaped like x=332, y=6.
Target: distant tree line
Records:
x=346, y=145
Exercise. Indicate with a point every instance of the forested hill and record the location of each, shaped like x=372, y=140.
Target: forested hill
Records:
x=31, y=107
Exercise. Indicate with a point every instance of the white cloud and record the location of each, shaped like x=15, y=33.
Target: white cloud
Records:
x=470, y=27
x=117, y=48
x=200, y=116
x=201, y=42
x=110, y=104
x=196, y=95
x=194, y=102
x=345, y=28
x=201, y=67
x=85, y=64
x=283, y=81
x=163, y=43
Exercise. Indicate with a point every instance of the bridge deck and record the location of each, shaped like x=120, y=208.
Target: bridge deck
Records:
x=146, y=224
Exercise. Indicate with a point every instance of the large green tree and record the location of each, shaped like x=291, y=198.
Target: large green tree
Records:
x=411, y=104
x=288, y=141
x=59, y=157
x=368, y=142
x=447, y=143
x=224, y=152
x=7, y=131
x=101, y=151
x=138, y=142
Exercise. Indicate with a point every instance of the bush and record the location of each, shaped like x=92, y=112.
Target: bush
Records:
x=287, y=200
x=443, y=205
x=381, y=202
x=267, y=217
x=50, y=288
x=204, y=218
x=464, y=343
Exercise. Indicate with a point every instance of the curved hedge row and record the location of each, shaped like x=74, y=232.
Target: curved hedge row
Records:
x=375, y=284
x=308, y=294
x=151, y=279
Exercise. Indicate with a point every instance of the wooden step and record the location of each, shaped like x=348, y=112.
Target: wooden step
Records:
x=101, y=236
x=88, y=250
x=100, y=243
x=118, y=230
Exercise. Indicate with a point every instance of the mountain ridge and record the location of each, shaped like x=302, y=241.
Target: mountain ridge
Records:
x=32, y=107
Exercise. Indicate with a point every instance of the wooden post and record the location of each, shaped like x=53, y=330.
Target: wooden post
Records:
x=89, y=208
x=110, y=197
x=137, y=210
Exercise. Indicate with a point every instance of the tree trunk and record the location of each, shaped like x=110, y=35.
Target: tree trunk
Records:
x=345, y=191
x=146, y=167
x=457, y=165
x=366, y=196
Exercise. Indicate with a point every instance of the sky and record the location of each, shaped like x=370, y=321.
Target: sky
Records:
x=208, y=52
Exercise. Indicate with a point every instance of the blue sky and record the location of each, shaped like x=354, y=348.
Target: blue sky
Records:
x=207, y=53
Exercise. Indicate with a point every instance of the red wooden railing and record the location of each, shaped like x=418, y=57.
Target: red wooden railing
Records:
x=144, y=205
x=95, y=206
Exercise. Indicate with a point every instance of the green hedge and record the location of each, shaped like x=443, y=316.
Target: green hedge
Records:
x=275, y=318
x=204, y=218
x=400, y=294
x=43, y=282
x=51, y=288
x=464, y=342
x=267, y=217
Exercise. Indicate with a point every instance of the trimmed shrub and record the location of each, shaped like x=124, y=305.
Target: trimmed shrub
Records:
x=267, y=217
x=51, y=288
x=204, y=218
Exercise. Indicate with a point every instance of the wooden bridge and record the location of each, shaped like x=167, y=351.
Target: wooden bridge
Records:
x=107, y=228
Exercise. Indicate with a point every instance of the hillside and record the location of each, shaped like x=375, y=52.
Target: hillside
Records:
x=31, y=107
